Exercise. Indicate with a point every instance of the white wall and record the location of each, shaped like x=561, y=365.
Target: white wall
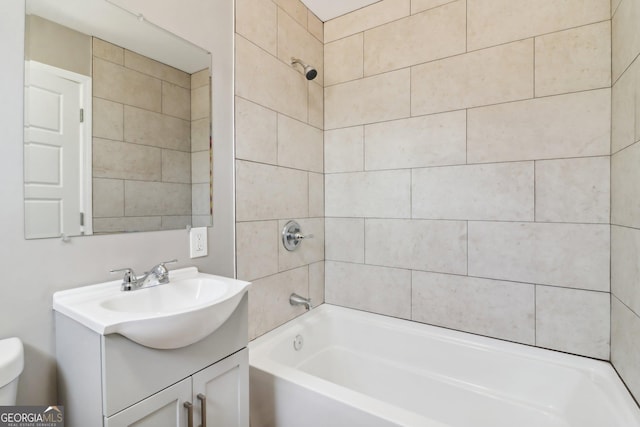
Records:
x=33, y=270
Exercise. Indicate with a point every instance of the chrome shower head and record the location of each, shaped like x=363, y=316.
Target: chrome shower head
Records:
x=309, y=72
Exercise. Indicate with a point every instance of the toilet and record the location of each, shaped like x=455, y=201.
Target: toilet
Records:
x=11, y=365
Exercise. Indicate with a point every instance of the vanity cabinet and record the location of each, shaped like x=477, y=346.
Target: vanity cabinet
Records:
x=220, y=388
x=110, y=381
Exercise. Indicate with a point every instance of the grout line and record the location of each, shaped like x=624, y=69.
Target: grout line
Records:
x=472, y=107
x=489, y=221
x=493, y=279
x=466, y=164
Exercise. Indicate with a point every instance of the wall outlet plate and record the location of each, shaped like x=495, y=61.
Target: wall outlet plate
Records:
x=198, y=242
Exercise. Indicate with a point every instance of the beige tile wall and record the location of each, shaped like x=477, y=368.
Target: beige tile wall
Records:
x=279, y=157
x=142, y=143
x=625, y=190
x=467, y=148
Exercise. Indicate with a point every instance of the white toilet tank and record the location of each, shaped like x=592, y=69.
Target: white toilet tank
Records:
x=11, y=365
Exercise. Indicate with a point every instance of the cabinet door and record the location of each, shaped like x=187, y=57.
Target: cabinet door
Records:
x=225, y=386
x=163, y=409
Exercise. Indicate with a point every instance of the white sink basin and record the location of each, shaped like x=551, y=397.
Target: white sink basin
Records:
x=180, y=313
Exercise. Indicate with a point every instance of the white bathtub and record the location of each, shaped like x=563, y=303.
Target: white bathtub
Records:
x=361, y=369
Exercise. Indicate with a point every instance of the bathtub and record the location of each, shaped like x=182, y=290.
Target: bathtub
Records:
x=335, y=367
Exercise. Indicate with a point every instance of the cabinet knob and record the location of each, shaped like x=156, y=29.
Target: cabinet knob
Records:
x=189, y=407
x=203, y=408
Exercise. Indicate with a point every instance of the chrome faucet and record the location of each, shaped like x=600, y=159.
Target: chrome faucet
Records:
x=158, y=275
x=296, y=299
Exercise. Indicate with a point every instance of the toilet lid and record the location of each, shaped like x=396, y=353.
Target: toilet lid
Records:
x=11, y=360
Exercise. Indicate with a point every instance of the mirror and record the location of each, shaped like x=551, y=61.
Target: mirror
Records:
x=117, y=130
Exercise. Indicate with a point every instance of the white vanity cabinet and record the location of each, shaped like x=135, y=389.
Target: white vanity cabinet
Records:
x=219, y=389
x=110, y=381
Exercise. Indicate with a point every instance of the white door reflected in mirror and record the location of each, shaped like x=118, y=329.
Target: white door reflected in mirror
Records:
x=57, y=152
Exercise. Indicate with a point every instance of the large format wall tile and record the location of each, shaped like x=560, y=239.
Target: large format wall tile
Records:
x=315, y=26
x=344, y=239
x=498, y=191
x=573, y=190
x=295, y=9
x=439, y=246
x=156, y=69
x=378, y=289
x=500, y=74
x=143, y=198
x=108, y=197
x=625, y=268
x=256, y=249
x=384, y=194
x=573, y=60
x=256, y=132
x=436, y=33
x=625, y=191
x=625, y=109
x=269, y=300
x=439, y=139
x=108, y=51
x=114, y=159
x=264, y=79
x=108, y=119
x=344, y=150
x=295, y=41
x=344, y=59
x=571, y=255
x=625, y=344
x=625, y=37
x=299, y=145
x=572, y=320
x=373, y=99
x=489, y=307
x=574, y=125
x=498, y=21
x=176, y=166
x=379, y=13
x=157, y=130
x=119, y=84
x=176, y=101
x=270, y=192
x=257, y=21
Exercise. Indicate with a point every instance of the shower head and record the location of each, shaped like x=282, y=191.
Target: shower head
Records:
x=309, y=72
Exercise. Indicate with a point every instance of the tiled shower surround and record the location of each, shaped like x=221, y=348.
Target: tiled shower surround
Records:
x=467, y=164
x=279, y=161
x=467, y=167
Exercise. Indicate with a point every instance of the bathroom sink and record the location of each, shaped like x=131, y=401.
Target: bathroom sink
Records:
x=184, y=311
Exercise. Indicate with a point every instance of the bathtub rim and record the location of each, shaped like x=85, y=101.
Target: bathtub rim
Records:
x=599, y=371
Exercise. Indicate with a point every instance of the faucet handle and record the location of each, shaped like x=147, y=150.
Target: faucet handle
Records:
x=162, y=272
x=129, y=279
